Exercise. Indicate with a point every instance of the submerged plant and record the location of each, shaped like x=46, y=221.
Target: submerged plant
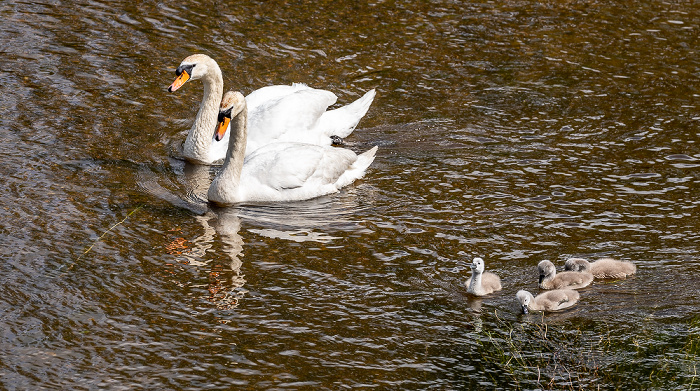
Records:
x=589, y=355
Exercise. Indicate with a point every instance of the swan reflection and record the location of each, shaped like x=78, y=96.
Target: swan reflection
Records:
x=219, y=248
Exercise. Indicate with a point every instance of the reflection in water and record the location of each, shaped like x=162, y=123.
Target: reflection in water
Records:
x=299, y=222
x=517, y=131
x=221, y=224
x=225, y=278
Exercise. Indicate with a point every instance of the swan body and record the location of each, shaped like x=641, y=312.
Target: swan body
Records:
x=554, y=300
x=482, y=283
x=283, y=171
x=602, y=268
x=550, y=279
x=275, y=113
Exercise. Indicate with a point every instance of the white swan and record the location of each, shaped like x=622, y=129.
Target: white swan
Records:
x=283, y=171
x=482, y=283
x=555, y=300
x=602, y=268
x=275, y=113
x=550, y=279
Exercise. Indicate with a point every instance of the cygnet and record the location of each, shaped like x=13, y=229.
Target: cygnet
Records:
x=482, y=283
x=602, y=268
x=549, y=279
x=554, y=300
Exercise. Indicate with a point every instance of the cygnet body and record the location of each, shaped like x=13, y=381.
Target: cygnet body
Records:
x=482, y=283
x=550, y=279
x=554, y=300
x=602, y=268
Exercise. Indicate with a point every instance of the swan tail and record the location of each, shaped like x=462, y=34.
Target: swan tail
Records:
x=342, y=121
x=357, y=169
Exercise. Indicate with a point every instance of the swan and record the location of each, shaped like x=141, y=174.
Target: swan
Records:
x=275, y=113
x=283, y=171
x=482, y=283
x=549, y=279
x=554, y=300
x=602, y=268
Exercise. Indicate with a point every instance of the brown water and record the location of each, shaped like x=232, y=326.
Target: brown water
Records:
x=512, y=131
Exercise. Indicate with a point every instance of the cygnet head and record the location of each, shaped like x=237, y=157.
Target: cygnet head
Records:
x=232, y=104
x=477, y=265
x=546, y=269
x=191, y=68
x=577, y=265
x=524, y=297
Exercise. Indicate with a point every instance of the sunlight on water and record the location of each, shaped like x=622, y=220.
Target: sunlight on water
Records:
x=512, y=131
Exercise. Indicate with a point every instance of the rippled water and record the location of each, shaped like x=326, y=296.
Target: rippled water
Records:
x=512, y=131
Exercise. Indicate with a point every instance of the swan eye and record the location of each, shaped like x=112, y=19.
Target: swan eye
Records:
x=184, y=68
x=224, y=114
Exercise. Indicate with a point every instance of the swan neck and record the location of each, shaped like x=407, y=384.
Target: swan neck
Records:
x=233, y=165
x=534, y=304
x=198, y=142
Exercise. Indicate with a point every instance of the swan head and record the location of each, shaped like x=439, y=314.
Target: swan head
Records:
x=477, y=265
x=191, y=68
x=524, y=297
x=546, y=269
x=232, y=104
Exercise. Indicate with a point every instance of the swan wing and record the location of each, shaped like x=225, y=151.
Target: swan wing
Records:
x=294, y=171
x=491, y=282
x=559, y=299
x=343, y=120
x=289, y=118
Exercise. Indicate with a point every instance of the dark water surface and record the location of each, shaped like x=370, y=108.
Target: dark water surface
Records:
x=512, y=131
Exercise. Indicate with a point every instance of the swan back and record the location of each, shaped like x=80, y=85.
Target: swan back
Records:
x=482, y=283
x=602, y=268
x=550, y=279
x=554, y=300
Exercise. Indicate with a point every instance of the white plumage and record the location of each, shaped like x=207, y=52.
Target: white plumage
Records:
x=295, y=113
x=282, y=171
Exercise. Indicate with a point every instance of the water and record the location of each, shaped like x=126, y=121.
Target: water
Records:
x=512, y=131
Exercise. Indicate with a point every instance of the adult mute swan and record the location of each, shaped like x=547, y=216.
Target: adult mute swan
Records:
x=482, y=283
x=555, y=300
x=550, y=279
x=275, y=113
x=283, y=171
x=602, y=268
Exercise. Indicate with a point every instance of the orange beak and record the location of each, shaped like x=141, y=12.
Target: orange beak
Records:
x=182, y=79
x=221, y=128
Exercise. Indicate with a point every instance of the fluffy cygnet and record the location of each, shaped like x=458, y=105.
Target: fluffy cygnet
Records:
x=482, y=283
x=554, y=300
x=550, y=279
x=602, y=268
